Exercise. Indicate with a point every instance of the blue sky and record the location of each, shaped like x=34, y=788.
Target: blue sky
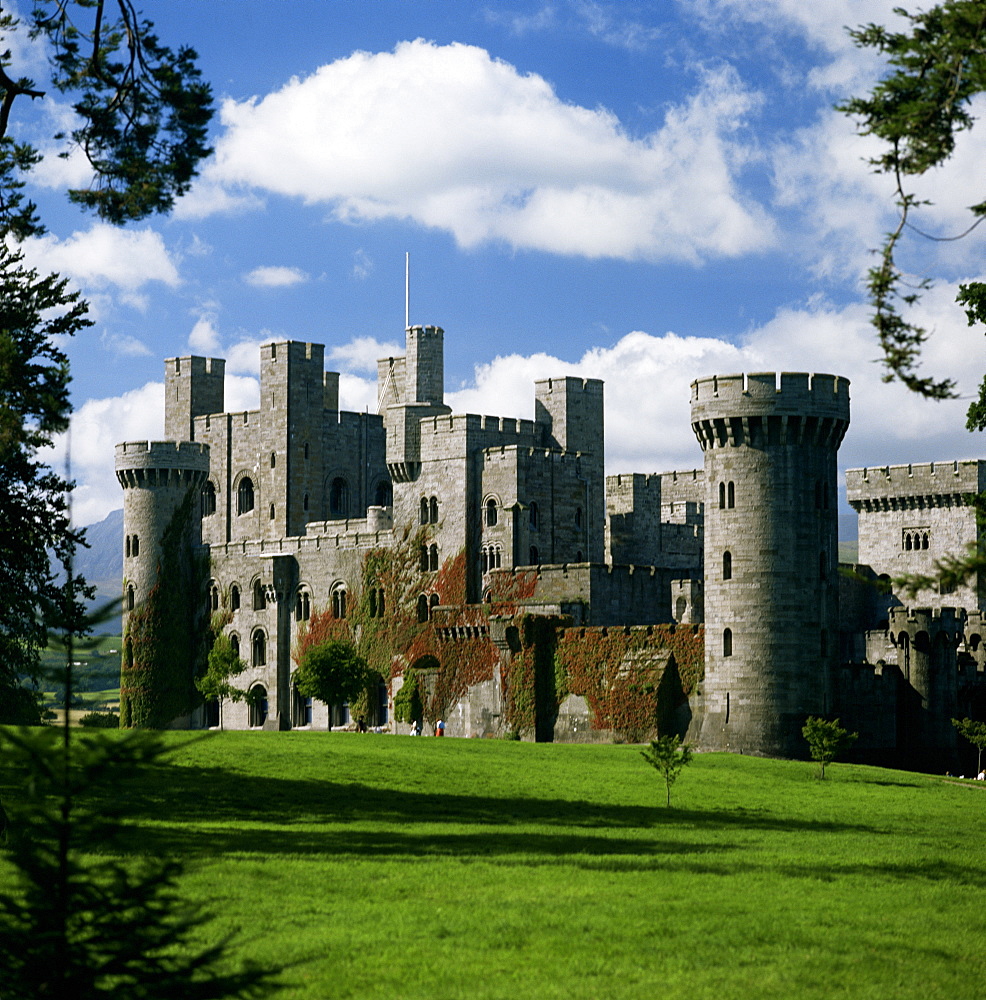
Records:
x=644, y=192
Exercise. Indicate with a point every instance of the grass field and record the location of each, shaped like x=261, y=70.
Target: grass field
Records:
x=378, y=866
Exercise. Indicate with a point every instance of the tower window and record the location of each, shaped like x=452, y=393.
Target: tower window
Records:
x=273, y=459
x=722, y=496
x=272, y=512
x=244, y=496
x=730, y=496
x=727, y=565
x=433, y=510
x=234, y=598
x=259, y=648
x=259, y=599
x=423, y=517
x=433, y=558
x=533, y=516
x=339, y=601
x=208, y=499
x=727, y=642
x=128, y=547
x=422, y=608
x=339, y=497
x=490, y=512
x=578, y=517
x=131, y=597
x=423, y=561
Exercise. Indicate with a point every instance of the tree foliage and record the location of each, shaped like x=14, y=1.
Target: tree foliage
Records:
x=668, y=756
x=331, y=671
x=35, y=312
x=937, y=65
x=975, y=733
x=77, y=921
x=223, y=664
x=826, y=740
x=142, y=111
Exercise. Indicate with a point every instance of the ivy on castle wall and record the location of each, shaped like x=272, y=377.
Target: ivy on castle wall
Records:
x=164, y=644
x=630, y=683
x=529, y=676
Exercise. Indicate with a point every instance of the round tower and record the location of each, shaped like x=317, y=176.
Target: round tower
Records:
x=158, y=478
x=771, y=555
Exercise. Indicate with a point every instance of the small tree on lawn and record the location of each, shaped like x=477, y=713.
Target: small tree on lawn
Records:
x=826, y=740
x=331, y=671
x=407, y=701
x=224, y=663
x=668, y=756
x=975, y=733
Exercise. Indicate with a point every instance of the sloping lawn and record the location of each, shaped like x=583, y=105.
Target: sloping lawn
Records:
x=379, y=866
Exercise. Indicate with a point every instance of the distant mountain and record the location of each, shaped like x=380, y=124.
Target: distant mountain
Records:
x=102, y=563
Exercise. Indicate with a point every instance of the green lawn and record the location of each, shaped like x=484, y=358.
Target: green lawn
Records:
x=379, y=866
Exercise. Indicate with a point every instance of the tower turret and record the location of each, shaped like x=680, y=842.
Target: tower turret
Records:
x=162, y=483
x=771, y=554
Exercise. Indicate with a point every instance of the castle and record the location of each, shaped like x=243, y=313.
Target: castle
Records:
x=525, y=591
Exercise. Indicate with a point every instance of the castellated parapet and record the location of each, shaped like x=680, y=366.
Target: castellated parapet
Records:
x=771, y=552
x=911, y=516
x=193, y=387
x=157, y=477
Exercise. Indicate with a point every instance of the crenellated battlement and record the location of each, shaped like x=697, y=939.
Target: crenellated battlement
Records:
x=784, y=391
x=763, y=409
x=144, y=463
x=918, y=485
x=930, y=620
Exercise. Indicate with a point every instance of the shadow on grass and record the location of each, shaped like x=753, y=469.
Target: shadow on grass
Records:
x=210, y=811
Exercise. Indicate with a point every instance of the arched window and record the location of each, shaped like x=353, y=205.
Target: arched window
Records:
x=339, y=601
x=244, y=496
x=127, y=547
x=307, y=451
x=496, y=558
x=208, y=499
x=727, y=565
x=423, y=560
x=433, y=510
x=490, y=512
x=730, y=495
x=258, y=706
x=131, y=597
x=727, y=642
x=273, y=459
x=924, y=540
x=303, y=606
x=135, y=546
x=535, y=556
x=488, y=597
x=373, y=602
x=259, y=598
x=578, y=556
x=680, y=608
x=533, y=516
x=423, y=515
x=234, y=641
x=722, y=496
x=907, y=542
x=578, y=517
x=339, y=497
x=214, y=597
x=384, y=496
x=381, y=602
x=272, y=512
x=234, y=598
x=259, y=647
x=433, y=559
x=422, y=608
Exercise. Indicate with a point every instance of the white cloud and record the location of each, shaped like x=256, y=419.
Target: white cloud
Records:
x=275, y=277
x=124, y=345
x=207, y=197
x=362, y=264
x=105, y=255
x=647, y=391
x=204, y=337
x=452, y=139
x=362, y=353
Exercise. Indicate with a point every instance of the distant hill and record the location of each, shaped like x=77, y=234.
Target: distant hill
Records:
x=102, y=563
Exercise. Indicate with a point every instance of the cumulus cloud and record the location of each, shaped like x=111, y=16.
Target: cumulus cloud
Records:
x=204, y=337
x=453, y=139
x=124, y=345
x=647, y=391
x=275, y=277
x=362, y=353
x=105, y=255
